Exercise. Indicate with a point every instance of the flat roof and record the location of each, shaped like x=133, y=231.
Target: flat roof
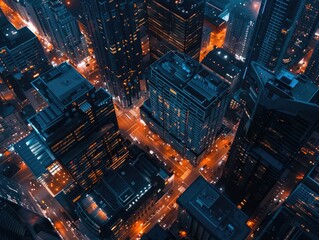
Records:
x=63, y=84
x=287, y=85
x=34, y=153
x=215, y=212
x=190, y=78
x=117, y=192
x=10, y=37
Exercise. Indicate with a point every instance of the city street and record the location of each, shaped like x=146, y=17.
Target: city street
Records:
x=185, y=173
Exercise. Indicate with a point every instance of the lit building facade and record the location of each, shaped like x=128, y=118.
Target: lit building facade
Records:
x=298, y=215
x=304, y=33
x=280, y=115
x=64, y=32
x=275, y=26
x=19, y=219
x=20, y=50
x=117, y=46
x=240, y=27
x=312, y=70
x=205, y=213
x=187, y=104
x=77, y=132
x=175, y=25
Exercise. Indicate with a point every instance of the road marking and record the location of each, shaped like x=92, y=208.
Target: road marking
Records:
x=128, y=116
x=185, y=174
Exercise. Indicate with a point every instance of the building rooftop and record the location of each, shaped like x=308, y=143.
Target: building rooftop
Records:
x=62, y=85
x=10, y=37
x=284, y=221
x=190, y=78
x=123, y=187
x=12, y=191
x=286, y=85
x=214, y=211
x=223, y=63
x=184, y=8
x=157, y=233
x=120, y=192
x=34, y=153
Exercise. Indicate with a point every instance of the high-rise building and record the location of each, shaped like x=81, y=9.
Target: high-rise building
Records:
x=34, y=14
x=131, y=193
x=186, y=105
x=12, y=127
x=64, y=32
x=312, y=70
x=117, y=46
x=225, y=65
x=240, y=27
x=19, y=219
x=77, y=132
x=175, y=25
x=205, y=213
x=298, y=217
x=275, y=26
x=305, y=30
x=20, y=50
x=280, y=115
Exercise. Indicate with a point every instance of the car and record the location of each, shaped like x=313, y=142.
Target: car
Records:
x=203, y=167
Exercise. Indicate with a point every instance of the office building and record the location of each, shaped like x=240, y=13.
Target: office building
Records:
x=204, y=213
x=20, y=50
x=64, y=32
x=35, y=15
x=117, y=46
x=121, y=198
x=225, y=65
x=240, y=27
x=76, y=136
x=276, y=23
x=175, y=25
x=280, y=115
x=158, y=233
x=297, y=217
x=19, y=219
x=186, y=105
x=312, y=70
x=304, y=33
x=12, y=127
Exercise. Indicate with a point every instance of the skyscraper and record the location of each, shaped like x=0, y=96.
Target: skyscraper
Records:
x=20, y=50
x=19, y=219
x=205, y=213
x=298, y=215
x=175, y=25
x=117, y=46
x=275, y=26
x=304, y=33
x=240, y=28
x=187, y=104
x=312, y=70
x=281, y=113
x=77, y=132
x=64, y=32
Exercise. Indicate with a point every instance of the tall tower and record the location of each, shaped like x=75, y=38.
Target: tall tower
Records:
x=275, y=26
x=175, y=25
x=117, y=46
x=64, y=31
x=280, y=115
x=77, y=132
x=312, y=70
x=304, y=33
x=240, y=28
x=298, y=214
x=187, y=104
